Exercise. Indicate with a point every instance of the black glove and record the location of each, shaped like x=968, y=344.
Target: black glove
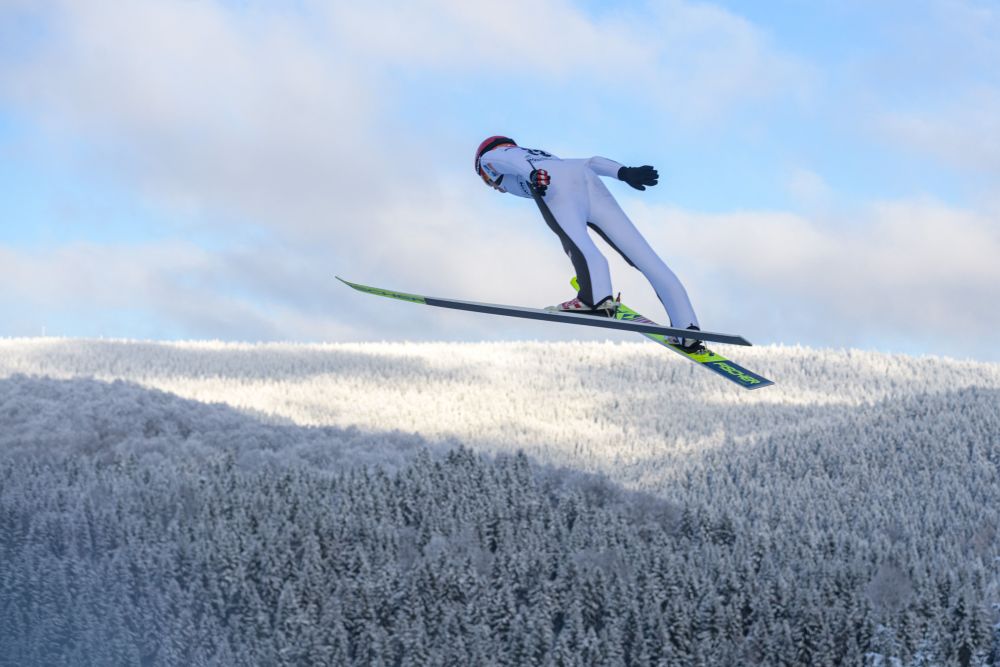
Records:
x=639, y=177
x=539, y=180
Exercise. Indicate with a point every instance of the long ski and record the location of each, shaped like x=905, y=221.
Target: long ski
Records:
x=641, y=325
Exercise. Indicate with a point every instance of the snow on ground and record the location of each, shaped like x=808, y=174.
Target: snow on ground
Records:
x=589, y=405
x=881, y=471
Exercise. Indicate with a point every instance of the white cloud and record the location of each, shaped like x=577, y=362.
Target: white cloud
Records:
x=933, y=88
x=963, y=132
x=559, y=39
x=914, y=270
x=697, y=61
x=809, y=188
x=710, y=61
x=204, y=107
x=176, y=286
x=279, y=117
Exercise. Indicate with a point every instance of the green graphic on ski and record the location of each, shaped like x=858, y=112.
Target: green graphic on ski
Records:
x=711, y=360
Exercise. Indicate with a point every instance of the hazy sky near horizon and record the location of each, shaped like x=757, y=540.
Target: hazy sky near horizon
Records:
x=830, y=171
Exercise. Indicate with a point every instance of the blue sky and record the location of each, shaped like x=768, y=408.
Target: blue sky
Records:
x=830, y=170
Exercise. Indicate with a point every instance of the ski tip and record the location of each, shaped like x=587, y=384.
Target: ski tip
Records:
x=378, y=291
x=356, y=286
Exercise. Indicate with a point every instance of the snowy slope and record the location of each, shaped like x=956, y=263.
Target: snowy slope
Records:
x=592, y=405
x=867, y=483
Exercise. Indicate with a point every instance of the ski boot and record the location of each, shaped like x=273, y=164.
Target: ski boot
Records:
x=690, y=345
x=606, y=308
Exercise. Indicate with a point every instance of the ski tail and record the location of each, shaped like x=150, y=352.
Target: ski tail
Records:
x=713, y=361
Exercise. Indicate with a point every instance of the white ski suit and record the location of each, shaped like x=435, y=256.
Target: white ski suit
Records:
x=577, y=200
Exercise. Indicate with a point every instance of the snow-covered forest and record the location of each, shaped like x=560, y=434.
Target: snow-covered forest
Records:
x=494, y=504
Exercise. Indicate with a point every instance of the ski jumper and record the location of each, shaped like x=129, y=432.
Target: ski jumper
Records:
x=578, y=200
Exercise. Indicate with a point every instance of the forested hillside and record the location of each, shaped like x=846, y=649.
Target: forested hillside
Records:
x=514, y=503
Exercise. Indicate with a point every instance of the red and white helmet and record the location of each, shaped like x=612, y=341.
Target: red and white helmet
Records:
x=485, y=147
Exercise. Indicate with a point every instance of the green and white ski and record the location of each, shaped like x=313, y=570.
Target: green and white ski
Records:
x=713, y=361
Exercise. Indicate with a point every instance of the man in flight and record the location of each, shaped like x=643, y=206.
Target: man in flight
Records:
x=572, y=199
